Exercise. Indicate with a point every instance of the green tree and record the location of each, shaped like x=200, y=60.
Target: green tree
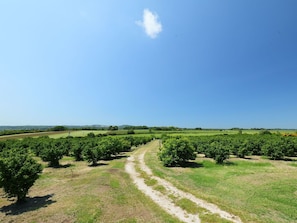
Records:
x=77, y=150
x=92, y=152
x=18, y=172
x=59, y=128
x=113, y=128
x=130, y=131
x=52, y=152
x=91, y=135
x=274, y=149
x=217, y=151
x=109, y=147
x=176, y=151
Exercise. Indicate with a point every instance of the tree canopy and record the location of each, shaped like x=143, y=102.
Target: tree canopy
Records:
x=18, y=172
x=176, y=151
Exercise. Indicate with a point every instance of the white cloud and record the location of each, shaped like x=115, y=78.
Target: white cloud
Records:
x=150, y=23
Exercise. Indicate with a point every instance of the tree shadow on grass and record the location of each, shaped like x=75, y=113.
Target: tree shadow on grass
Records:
x=116, y=157
x=289, y=159
x=97, y=164
x=62, y=166
x=228, y=163
x=66, y=165
x=30, y=204
x=188, y=164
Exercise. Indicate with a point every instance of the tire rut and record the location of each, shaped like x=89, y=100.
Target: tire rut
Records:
x=163, y=200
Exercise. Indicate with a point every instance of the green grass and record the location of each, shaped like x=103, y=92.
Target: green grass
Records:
x=256, y=190
x=150, y=182
x=187, y=205
x=160, y=188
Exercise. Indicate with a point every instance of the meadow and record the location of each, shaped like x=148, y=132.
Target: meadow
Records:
x=256, y=189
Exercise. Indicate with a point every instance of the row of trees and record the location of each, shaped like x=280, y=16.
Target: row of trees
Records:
x=175, y=151
x=19, y=168
x=273, y=146
x=90, y=148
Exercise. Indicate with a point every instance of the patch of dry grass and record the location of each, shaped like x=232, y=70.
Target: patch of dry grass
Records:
x=81, y=193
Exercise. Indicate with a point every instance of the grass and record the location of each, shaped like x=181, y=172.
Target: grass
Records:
x=55, y=135
x=257, y=190
x=81, y=193
x=142, y=132
x=79, y=133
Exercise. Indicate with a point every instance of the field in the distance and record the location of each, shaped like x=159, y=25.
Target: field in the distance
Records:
x=156, y=133
x=53, y=134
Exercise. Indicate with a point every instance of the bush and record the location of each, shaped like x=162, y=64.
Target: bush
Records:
x=52, y=152
x=59, y=128
x=175, y=152
x=130, y=132
x=274, y=150
x=92, y=152
x=217, y=152
x=18, y=172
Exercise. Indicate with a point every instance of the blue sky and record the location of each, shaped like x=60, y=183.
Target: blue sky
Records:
x=210, y=64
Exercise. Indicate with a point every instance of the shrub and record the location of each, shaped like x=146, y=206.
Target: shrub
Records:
x=217, y=151
x=175, y=152
x=18, y=172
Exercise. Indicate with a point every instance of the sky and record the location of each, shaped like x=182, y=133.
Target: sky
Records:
x=209, y=64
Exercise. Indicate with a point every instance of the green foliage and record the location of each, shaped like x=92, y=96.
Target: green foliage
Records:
x=265, y=132
x=176, y=151
x=92, y=152
x=59, y=128
x=113, y=128
x=274, y=150
x=52, y=152
x=77, y=151
x=218, y=152
x=109, y=147
x=130, y=131
x=274, y=146
x=91, y=135
x=18, y=172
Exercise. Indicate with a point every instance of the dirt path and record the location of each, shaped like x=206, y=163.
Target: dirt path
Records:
x=165, y=201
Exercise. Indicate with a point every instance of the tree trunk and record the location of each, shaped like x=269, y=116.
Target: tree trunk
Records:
x=21, y=198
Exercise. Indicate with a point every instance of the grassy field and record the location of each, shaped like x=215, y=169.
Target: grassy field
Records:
x=146, y=132
x=257, y=190
x=79, y=133
x=79, y=193
x=62, y=134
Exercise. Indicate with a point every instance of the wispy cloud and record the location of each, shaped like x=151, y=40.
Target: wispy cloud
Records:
x=150, y=23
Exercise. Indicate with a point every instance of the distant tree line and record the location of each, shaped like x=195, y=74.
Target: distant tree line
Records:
x=19, y=131
x=165, y=128
x=31, y=130
x=130, y=127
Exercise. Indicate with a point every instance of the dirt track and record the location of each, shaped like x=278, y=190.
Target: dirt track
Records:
x=162, y=199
